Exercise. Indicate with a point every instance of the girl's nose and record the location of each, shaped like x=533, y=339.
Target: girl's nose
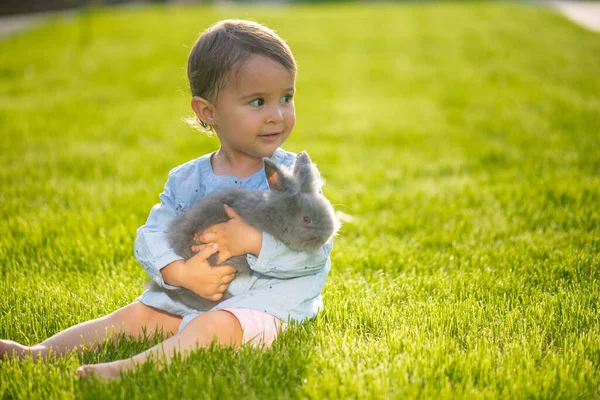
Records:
x=275, y=115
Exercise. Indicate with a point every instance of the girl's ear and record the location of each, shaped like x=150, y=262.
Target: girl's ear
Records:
x=204, y=110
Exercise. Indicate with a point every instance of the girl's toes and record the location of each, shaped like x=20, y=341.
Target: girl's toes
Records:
x=84, y=371
x=104, y=372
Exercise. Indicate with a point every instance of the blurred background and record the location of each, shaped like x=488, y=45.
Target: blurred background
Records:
x=461, y=139
x=8, y=7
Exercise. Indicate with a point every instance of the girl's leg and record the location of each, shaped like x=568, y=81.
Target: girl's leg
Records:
x=128, y=320
x=219, y=325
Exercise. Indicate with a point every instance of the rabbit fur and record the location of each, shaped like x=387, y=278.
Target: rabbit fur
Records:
x=293, y=211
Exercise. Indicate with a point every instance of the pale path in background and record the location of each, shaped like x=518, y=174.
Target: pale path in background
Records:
x=584, y=13
x=10, y=24
x=15, y=23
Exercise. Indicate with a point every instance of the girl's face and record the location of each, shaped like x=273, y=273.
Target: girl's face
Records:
x=254, y=113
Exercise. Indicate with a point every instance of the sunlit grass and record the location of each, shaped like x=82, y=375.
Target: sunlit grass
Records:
x=463, y=139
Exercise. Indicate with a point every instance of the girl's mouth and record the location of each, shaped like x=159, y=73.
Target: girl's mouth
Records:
x=270, y=137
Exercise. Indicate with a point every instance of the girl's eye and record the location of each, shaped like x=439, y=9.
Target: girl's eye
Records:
x=257, y=102
x=287, y=98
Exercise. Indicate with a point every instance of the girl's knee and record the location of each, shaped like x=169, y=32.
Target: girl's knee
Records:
x=135, y=311
x=131, y=318
x=151, y=318
x=219, y=325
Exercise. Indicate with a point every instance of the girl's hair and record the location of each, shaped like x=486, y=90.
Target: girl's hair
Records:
x=223, y=48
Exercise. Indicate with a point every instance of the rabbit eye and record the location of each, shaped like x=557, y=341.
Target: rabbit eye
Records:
x=307, y=220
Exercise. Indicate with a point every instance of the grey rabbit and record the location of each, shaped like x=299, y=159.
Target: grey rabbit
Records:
x=293, y=211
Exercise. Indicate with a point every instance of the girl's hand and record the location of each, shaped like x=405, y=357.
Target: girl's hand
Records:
x=197, y=275
x=234, y=237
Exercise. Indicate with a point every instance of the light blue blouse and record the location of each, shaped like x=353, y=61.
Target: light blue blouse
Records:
x=283, y=283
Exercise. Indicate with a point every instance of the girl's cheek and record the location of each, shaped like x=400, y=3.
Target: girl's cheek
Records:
x=291, y=117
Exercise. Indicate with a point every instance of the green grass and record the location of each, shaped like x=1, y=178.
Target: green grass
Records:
x=464, y=139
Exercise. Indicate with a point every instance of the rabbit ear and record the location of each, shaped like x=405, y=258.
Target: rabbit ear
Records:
x=302, y=159
x=277, y=178
x=306, y=173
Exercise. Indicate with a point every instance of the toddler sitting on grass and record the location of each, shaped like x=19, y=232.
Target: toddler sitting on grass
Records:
x=242, y=79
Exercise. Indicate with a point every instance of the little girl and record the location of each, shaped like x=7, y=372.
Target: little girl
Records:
x=242, y=79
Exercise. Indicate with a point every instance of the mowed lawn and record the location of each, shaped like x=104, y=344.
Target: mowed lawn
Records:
x=460, y=140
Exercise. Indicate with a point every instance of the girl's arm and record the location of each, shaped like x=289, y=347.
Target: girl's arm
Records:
x=236, y=237
x=151, y=246
x=278, y=261
x=166, y=268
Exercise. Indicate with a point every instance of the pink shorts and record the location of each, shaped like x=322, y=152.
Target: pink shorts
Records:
x=258, y=328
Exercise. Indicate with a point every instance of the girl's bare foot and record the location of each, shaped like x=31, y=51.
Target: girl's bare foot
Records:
x=104, y=371
x=13, y=349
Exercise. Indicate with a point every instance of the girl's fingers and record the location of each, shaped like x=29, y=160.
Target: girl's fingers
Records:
x=224, y=270
x=206, y=237
x=223, y=256
x=207, y=251
x=228, y=278
x=198, y=248
x=231, y=213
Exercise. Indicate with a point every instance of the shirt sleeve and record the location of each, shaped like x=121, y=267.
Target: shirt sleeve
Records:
x=278, y=261
x=151, y=246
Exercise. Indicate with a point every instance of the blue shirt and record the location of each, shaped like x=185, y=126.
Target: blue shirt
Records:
x=283, y=283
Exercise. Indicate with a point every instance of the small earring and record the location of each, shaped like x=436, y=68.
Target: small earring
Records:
x=204, y=124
